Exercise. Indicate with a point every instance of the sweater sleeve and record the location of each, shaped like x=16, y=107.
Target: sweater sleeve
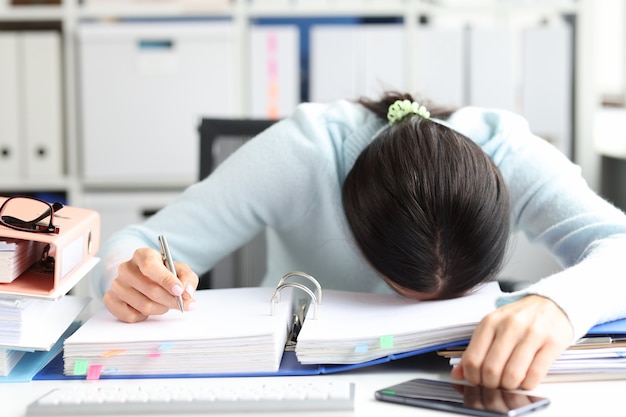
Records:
x=553, y=205
x=268, y=181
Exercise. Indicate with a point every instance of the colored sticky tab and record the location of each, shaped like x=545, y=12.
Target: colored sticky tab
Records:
x=166, y=346
x=154, y=355
x=94, y=372
x=361, y=348
x=112, y=353
x=386, y=342
x=80, y=367
x=272, y=42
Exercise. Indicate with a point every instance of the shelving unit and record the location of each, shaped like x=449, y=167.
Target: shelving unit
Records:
x=71, y=13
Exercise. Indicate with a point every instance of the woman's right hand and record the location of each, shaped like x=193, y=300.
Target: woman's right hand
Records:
x=145, y=287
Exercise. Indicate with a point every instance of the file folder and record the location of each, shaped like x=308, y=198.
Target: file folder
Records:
x=274, y=70
x=41, y=88
x=73, y=250
x=356, y=60
x=440, y=65
x=491, y=63
x=548, y=84
x=9, y=107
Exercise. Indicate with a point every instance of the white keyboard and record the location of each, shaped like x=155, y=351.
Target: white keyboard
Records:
x=88, y=400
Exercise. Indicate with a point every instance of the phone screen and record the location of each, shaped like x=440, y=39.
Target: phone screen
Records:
x=461, y=398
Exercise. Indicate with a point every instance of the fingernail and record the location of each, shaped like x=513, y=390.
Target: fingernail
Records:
x=189, y=289
x=191, y=306
x=176, y=289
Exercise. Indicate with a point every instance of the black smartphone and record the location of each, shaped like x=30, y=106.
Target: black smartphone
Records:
x=462, y=398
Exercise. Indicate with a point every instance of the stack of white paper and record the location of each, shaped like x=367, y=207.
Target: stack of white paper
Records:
x=231, y=331
x=29, y=324
x=8, y=359
x=591, y=360
x=596, y=356
x=42, y=321
x=13, y=311
x=16, y=256
x=357, y=327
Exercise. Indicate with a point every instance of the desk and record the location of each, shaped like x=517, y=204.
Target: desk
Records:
x=597, y=398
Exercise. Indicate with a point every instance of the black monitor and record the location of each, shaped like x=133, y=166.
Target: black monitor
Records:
x=220, y=137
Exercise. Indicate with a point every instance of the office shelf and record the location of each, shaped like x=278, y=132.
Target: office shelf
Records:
x=72, y=13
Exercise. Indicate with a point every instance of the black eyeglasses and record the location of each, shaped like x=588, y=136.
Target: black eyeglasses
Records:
x=29, y=214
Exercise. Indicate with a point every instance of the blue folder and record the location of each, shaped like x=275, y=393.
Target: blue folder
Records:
x=33, y=361
x=611, y=328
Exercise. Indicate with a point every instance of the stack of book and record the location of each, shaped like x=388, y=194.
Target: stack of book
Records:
x=37, y=271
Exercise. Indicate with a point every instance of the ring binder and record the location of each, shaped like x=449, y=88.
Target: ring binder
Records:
x=354, y=330
x=316, y=297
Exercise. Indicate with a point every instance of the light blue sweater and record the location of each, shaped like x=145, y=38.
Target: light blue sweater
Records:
x=288, y=180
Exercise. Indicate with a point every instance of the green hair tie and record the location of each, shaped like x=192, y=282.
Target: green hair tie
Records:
x=401, y=108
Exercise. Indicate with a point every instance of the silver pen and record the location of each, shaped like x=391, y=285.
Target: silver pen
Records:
x=169, y=263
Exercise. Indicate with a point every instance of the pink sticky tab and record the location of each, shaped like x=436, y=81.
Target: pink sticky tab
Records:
x=154, y=355
x=272, y=70
x=272, y=42
x=94, y=372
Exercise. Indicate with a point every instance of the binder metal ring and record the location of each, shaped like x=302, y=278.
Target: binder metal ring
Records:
x=315, y=298
x=303, y=275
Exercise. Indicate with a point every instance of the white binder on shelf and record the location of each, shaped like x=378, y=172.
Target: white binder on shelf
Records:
x=491, y=68
x=440, y=65
x=41, y=110
x=9, y=106
x=274, y=70
x=548, y=82
x=383, y=57
x=349, y=61
x=334, y=63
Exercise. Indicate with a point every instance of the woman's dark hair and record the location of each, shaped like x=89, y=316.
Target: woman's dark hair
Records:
x=427, y=207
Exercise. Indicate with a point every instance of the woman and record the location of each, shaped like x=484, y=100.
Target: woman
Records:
x=384, y=196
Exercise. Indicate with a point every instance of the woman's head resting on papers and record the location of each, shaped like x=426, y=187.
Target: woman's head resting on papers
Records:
x=427, y=207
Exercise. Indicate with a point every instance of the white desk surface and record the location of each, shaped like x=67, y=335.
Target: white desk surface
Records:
x=589, y=398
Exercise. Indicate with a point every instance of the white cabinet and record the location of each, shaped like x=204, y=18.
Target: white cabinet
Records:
x=144, y=88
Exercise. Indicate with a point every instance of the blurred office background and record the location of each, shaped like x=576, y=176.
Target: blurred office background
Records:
x=100, y=100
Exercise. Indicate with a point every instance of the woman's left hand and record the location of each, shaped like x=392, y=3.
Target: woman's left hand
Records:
x=514, y=346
